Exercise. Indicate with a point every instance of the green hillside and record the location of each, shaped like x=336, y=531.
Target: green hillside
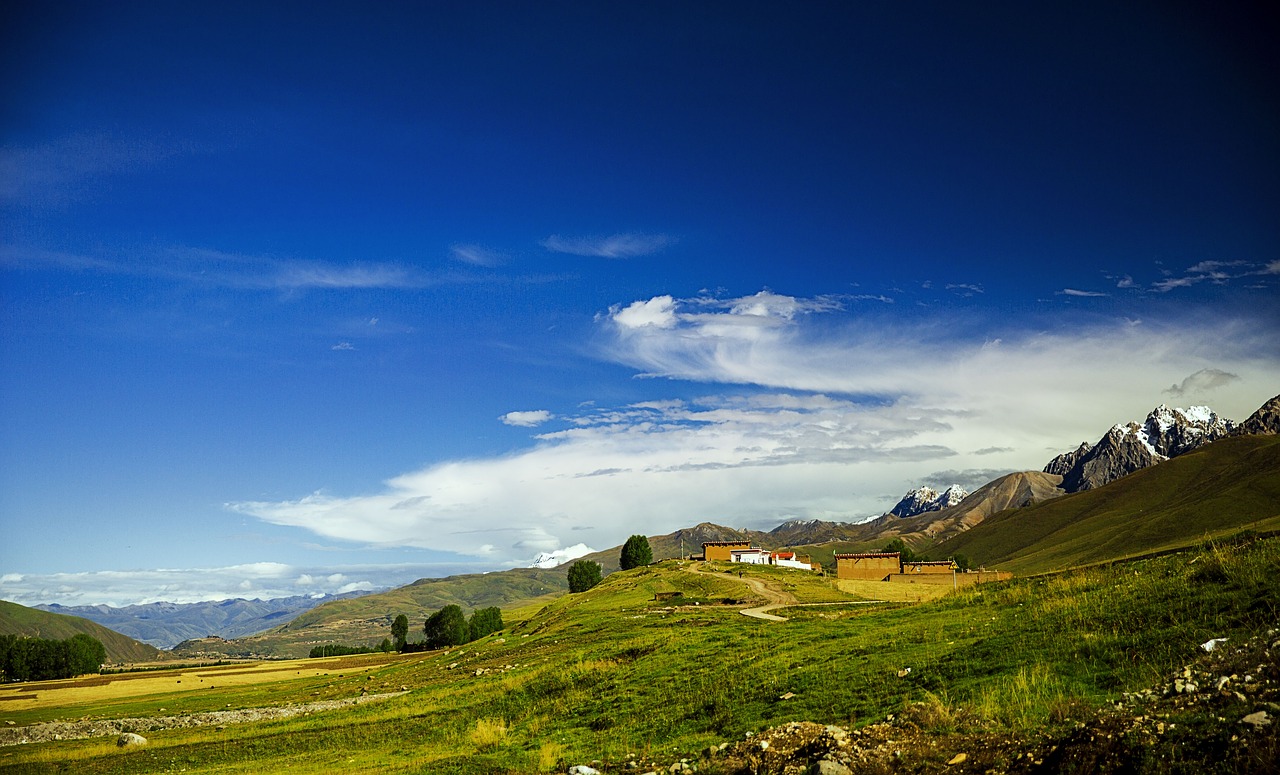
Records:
x=1230, y=485
x=19, y=620
x=1032, y=675
x=366, y=620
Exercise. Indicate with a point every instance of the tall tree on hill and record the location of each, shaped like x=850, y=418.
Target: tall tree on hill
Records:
x=446, y=627
x=583, y=575
x=484, y=621
x=635, y=552
x=400, y=631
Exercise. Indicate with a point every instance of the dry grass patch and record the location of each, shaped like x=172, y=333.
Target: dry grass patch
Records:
x=893, y=592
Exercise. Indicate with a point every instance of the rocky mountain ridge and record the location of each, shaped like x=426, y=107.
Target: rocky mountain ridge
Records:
x=1129, y=447
x=923, y=499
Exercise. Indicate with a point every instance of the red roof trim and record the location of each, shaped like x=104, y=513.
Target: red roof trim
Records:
x=866, y=556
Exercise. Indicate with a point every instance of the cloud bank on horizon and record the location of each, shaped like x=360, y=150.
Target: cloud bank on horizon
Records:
x=820, y=419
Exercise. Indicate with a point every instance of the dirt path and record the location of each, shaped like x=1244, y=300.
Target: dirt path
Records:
x=776, y=598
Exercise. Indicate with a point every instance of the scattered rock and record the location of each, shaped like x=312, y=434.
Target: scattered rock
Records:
x=787, y=696
x=828, y=767
x=958, y=759
x=129, y=738
x=583, y=769
x=1259, y=719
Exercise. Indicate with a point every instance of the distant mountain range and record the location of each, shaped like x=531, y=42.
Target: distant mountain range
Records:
x=164, y=625
x=19, y=620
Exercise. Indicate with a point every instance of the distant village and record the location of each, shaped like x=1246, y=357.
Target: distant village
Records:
x=867, y=566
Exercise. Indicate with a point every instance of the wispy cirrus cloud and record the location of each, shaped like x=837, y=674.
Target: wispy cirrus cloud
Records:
x=628, y=245
x=817, y=413
x=1216, y=273
x=477, y=255
x=66, y=168
x=1079, y=293
x=222, y=269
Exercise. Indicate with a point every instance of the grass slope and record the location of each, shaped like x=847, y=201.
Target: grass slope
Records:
x=1226, y=486
x=612, y=673
x=367, y=620
x=19, y=620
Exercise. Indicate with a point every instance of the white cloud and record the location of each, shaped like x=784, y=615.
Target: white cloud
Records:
x=526, y=419
x=628, y=245
x=1074, y=292
x=343, y=346
x=835, y=412
x=657, y=312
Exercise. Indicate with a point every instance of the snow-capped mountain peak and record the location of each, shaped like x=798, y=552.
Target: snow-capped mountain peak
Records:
x=1127, y=447
x=922, y=499
x=560, y=556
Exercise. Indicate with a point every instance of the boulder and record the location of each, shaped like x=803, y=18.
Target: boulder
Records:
x=129, y=739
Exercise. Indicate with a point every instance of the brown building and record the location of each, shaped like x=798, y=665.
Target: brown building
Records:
x=723, y=550
x=873, y=566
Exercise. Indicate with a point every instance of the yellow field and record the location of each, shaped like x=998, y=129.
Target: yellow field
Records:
x=893, y=592
x=93, y=689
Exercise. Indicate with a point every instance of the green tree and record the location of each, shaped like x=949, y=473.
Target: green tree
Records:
x=583, y=575
x=400, y=631
x=446, y=627
x=85, y=654
x=484, y=621
x=900, y=546
x=635, y=552
x=962, y=562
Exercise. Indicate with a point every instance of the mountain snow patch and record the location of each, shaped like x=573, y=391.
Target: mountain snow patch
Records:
x=560, y=556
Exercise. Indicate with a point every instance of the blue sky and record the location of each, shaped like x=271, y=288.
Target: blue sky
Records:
x=333, y=296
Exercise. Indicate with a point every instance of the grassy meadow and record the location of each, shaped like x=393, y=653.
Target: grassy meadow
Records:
x=611, y=672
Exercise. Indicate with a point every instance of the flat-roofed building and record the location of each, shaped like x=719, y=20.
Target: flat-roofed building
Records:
x=872, y=566
x=722, y=550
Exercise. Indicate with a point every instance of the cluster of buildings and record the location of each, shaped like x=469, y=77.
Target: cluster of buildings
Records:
x=868, y=566
x=743, y=551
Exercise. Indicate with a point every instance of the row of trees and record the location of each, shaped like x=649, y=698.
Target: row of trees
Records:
x=38, y=659
x=339, y=650
x=448, y=627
